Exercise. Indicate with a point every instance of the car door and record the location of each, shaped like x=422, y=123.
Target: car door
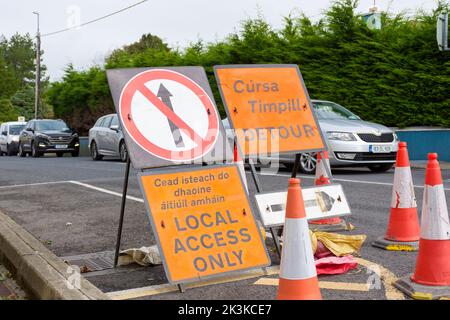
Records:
x=103, y=132
x=27, y=136
x=113, y=136
x=3, y=138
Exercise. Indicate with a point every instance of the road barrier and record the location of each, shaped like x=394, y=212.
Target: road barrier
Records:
x=431, y=279
x=322, y=178
x=422, y=140
x=403, y=231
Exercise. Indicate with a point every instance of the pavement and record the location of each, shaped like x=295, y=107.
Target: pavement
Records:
x=72, y=206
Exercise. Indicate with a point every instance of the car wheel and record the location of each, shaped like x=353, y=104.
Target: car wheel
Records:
x=381, y=167
x=9, y=151
x=59, y=154
x=75, y=153
x=34, y=150
x=21, y=152
x=94, y=152
x=123, y=151
x=308, y=162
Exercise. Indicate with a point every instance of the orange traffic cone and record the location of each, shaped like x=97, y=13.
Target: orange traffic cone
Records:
x=322, y=177
x=298, y=277
x=403, y=231
x=431, y=279
x=240, y=164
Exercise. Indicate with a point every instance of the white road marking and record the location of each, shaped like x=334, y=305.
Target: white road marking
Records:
x=32, y=184
x=342, y=180
x=105, y=190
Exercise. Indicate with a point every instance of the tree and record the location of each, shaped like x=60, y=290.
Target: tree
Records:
x=7, y=111
x=17, y=74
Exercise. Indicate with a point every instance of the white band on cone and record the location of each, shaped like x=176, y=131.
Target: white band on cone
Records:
x=320, y=168
x=297, y=258
x=435, y=222
x=403, y=191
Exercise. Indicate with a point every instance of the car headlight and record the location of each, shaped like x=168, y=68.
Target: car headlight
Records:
x=341, y=136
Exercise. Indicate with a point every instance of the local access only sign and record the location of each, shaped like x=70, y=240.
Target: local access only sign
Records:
x=168, y=116
x=269, y=108
x=203, y=222
x=321, y=202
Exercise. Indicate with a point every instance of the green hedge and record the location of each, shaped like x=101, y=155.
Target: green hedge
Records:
x=395, y=76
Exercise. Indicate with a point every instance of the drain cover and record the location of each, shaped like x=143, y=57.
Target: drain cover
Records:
x=90, y=262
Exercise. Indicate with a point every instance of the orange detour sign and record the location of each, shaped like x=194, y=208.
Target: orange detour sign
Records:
x=203, y=222
x=269, y=108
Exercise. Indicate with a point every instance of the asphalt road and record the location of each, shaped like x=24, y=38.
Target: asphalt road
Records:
x=72, y=205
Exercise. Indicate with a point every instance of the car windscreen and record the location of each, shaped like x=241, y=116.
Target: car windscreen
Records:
x=330, y=111
x=16, y=129
x=51, y=125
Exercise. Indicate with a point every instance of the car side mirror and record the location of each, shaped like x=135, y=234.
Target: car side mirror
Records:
x=4, y=133
x=115, y=127
x=29, y=129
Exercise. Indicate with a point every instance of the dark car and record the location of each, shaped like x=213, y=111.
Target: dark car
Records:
x=48, y=136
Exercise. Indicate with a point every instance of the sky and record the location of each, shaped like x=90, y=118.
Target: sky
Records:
x=177, y=22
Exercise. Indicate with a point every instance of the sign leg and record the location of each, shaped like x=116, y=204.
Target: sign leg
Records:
x=181, y=288
x=122, y=212
x=296, y=165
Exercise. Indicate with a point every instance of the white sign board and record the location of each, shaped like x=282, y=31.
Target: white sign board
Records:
x=321, y=202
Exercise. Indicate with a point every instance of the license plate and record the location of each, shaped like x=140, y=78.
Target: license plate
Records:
x=380, y=149
x=61, y=146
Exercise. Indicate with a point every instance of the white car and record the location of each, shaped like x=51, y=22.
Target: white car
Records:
x=106, y=139
x=9, y=137
x=350, y=141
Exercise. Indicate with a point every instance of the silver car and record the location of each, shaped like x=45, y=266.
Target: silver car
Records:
x=9, y=137
x=106, y=139
x=350, y=141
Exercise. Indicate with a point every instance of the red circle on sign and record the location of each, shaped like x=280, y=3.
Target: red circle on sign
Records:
x=137, y=83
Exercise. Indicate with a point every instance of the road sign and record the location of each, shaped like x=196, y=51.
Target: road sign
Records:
x=442, y=32
x=321, y=202
x=269, y=108
x=168, y=116
x=203, y=222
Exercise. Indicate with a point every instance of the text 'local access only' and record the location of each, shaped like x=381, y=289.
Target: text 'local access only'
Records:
x=203, y=222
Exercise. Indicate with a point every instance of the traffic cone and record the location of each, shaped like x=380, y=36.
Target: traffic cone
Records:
x=240, y=164
x=322, y=178
x=298, y=276
x=431, y=279
x=403, y=231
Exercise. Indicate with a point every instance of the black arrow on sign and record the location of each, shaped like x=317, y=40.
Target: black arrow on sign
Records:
x=165, y=95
